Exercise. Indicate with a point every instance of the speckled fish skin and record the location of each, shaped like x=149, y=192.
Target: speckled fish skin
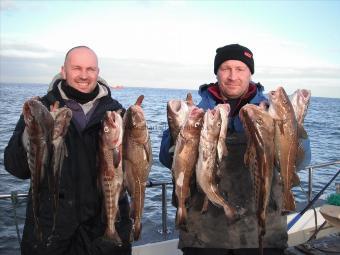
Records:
x=286, y=143
x=137, y=161
x=111, y=170
x=177, y=113
x=184, y=161
x=206, y=168
x=259, y=157
x=37, y=139
x=62, y=117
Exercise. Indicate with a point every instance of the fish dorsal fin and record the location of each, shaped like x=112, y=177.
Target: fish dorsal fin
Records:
x=54, y=106
x=189, y=99
x=139, y=100
x=302, y=133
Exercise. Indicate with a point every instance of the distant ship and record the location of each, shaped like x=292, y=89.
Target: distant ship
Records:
x=116, y=86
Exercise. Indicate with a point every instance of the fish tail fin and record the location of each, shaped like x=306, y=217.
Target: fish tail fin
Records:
x=113, y=236
x=289, y=201
x=261, y=243
x=229, y=211
x=181, y=216
x=137, y=229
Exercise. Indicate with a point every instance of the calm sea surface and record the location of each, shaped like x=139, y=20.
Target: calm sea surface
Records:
x=322, y=124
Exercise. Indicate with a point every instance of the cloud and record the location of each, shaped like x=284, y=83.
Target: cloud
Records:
x=7, y=5
x=22, y=50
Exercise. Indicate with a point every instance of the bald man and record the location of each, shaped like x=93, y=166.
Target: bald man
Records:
x=80, y=221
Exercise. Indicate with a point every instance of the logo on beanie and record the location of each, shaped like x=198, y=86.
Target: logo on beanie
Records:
x=247, y=54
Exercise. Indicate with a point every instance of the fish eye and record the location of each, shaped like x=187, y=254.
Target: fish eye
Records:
x=197, y=124
x=284, y=101
x=218, y=124
x=106, y=129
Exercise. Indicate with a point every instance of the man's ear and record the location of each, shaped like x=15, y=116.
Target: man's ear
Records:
x=62, y=72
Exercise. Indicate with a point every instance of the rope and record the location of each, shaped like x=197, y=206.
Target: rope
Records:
x=14, y=198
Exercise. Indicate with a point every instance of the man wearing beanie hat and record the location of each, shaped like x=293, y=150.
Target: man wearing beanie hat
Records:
x=212, y=232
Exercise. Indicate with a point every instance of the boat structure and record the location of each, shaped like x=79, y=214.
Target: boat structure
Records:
x=313, y=229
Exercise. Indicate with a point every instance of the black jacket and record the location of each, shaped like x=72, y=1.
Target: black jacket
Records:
x=80, y=219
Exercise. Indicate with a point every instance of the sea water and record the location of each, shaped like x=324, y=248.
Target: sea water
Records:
x=322, y=124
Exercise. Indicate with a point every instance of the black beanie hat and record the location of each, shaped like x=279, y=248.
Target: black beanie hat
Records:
x=234, y=52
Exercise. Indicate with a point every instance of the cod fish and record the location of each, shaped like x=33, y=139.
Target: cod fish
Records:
x=137, y=160
x=111, y=170
x=206, y=168
x=259, y=157
x=177, y=113
x=184, y=161
x=300, y=101
x=37, y=139
x=286, y=143
x=62, y=117
x=221, y=145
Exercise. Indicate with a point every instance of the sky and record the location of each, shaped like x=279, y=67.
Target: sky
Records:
x=172, y=44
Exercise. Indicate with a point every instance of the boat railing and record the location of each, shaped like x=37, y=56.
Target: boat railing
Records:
x=14, y=196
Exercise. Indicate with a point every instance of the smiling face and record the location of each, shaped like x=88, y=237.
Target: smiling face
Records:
x=81, y=70
x=233, y=77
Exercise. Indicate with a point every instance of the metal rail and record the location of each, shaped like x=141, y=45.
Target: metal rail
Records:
x=151, y=184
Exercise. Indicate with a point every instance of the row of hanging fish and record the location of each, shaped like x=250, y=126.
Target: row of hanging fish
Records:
x=43, y=139
x=125, y=158
x=125, y=162
x=199, y=146
x=273, y=142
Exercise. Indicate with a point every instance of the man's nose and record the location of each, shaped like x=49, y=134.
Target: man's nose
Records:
x=83, y=74
x=232, y=74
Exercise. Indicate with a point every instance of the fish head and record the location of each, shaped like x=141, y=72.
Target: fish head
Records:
x=257, y=121
x=259, y=118
x=300, y=101
x=111, y=131
x=62, y=118
x=135, y=123
x=177, y=112
x=194, y=122
x=224, y=109
x=212, y=122
x=280, y=106
x=34, y=113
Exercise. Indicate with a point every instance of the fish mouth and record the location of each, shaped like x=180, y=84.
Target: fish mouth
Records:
x=212, y=113
x=176, y=106
x=305, y=94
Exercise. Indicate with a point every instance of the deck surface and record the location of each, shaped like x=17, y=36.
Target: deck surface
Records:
x=329, y=245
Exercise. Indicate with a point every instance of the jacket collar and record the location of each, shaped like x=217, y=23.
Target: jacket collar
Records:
x=235, y=104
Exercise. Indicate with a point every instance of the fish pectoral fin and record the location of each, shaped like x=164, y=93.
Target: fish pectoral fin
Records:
x=295, y=179
x=179, y=147
x=147, y=151
x=205, y=205
x=116, y=157
x=172, y=149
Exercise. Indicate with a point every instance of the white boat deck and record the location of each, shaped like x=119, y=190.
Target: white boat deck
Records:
x=298, y=234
